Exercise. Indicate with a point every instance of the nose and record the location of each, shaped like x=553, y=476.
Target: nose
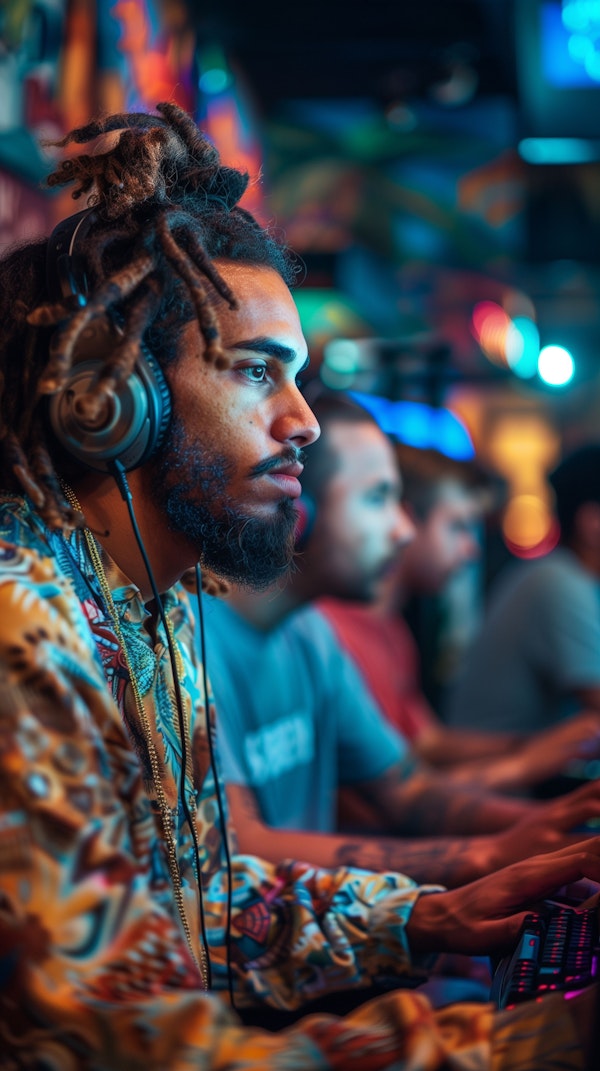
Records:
x=471, y=547
x=296, y=422
x=404, y=529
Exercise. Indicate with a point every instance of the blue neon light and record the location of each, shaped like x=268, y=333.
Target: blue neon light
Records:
x=421, y=425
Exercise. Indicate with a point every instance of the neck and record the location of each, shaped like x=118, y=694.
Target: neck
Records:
x=394, y=592
x=106, y=514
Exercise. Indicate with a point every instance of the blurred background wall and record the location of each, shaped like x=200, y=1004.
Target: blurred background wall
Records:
x=435, y=165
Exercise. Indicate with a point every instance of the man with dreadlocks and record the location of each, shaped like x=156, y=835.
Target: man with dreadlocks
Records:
x=118, y=911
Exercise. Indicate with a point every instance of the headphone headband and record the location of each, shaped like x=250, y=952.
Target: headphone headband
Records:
x=65, y=267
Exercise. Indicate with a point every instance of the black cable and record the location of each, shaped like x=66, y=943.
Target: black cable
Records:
x=213, y=766
x=121, y=480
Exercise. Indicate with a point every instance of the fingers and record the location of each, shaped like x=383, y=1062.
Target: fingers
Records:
x=521, y=884
x=578, y=891
x=536, y=878
x=486, y=915
x=588, y=718
x=574, y=809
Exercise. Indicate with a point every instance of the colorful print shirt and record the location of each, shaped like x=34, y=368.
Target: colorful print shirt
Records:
x=100, y=954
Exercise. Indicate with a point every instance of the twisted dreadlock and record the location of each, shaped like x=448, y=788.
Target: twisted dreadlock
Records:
x=165, y=208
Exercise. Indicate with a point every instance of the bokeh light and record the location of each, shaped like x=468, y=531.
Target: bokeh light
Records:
x=527, y=522
x=556, y=365
x=490, y=325
x=523, y=347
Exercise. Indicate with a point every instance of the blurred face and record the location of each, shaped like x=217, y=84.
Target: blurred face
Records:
x=360, y=525
x=445, y=541
x=227, y=478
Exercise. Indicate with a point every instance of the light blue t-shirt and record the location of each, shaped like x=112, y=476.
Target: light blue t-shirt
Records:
x=294, y=718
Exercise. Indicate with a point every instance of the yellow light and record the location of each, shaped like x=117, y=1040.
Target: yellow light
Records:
x=527, y=521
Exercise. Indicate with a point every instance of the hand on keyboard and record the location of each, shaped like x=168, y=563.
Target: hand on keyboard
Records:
x=484, y=917
x=557, y=949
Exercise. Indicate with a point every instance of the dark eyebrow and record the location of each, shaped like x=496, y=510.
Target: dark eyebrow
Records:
x=270, y=348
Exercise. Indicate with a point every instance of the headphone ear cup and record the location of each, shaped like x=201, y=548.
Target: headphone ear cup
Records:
x=306, y=511
x=133, y=421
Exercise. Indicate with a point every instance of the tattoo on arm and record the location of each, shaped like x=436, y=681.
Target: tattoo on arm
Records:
x=424, y=805
x=436, y=860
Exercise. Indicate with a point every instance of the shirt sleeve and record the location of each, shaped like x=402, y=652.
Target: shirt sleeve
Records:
x=367, y=744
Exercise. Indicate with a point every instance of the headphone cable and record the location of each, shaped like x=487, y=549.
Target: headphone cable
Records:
x=220, y=805
x=120, y=477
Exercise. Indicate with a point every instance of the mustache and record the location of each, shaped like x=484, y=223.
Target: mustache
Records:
x=289, y=456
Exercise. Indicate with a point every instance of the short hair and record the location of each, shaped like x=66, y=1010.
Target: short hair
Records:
x=322, y=463
x=575, y=480
x=424, y=471
x=165, y=208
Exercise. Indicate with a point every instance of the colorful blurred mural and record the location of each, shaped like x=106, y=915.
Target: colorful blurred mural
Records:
x=64, y=61
x=437, y=260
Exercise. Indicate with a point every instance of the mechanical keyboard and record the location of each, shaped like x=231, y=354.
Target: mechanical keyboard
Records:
x=558, y=948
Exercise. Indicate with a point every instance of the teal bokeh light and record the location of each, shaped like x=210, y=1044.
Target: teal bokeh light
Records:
x=523, y=347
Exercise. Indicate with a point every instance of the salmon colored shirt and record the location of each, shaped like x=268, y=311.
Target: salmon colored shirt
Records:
x=383, y=649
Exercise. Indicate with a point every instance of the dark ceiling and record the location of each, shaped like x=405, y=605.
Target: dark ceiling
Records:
x=376, y=49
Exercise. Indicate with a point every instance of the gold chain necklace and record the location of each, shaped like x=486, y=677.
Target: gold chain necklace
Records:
x=170, y=838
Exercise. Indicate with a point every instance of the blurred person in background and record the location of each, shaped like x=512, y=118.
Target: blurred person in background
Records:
x=536, y=657
x=444, y=499
x=291, y=739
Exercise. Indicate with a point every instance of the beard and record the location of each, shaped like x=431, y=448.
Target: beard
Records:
x=190, y=483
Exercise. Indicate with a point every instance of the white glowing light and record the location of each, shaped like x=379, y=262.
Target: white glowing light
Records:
x=555, y=365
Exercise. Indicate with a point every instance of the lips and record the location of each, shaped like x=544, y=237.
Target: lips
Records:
x=287, y=480
x=283, y=472
x=292, y=468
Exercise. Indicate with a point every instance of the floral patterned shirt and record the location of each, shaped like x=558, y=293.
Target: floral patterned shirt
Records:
x=112, y=875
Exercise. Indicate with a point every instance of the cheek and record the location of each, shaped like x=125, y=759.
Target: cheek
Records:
x=242, y=439
x=200, y=394
x=366, y=542
x=225, y=428
x=338, y=539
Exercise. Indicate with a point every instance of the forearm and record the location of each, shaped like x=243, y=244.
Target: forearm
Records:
x=449, y=861
x=444, y=748
x=426, y=803
x=535, y=759
x=505, y=774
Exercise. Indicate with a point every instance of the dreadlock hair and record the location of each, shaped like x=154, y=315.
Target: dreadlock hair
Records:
x=164, y=208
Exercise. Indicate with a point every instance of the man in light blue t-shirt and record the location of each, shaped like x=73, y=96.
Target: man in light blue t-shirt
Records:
x=306, y=724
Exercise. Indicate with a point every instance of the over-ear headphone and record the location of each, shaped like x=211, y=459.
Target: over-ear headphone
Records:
x=134, y=421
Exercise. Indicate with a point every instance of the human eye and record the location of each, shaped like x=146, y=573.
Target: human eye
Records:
x=377, y=496
x=255, y=371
